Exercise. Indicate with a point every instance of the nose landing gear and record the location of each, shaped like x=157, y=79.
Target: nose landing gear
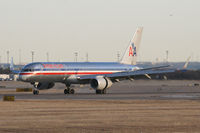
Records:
x=35, y=92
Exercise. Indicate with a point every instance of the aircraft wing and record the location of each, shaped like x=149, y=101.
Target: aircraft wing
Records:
x=129, y=74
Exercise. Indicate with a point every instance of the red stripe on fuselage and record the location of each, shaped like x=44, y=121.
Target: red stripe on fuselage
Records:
x=26, y=73
x=67, y=73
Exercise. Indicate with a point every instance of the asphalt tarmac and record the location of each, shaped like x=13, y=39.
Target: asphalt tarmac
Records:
x=124, y=90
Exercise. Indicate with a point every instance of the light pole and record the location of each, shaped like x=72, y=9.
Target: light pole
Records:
x=32, y=53
x=20, y=56
x=118, y=56
x=167, y=54
x=87, y=57
x=47, y=57
x=7, y=57
x=76, y=56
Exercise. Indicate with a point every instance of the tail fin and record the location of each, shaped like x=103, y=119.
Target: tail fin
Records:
x=131, y=52
x=186, y=63
x=12, y=67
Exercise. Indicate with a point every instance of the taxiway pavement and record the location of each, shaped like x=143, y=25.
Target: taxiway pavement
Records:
x=125, y=90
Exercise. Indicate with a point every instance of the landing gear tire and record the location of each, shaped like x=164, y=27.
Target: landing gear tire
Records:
x=98, y=91
x=69, y=91
x=66, y=91
x=101, y=91
x=35, y=92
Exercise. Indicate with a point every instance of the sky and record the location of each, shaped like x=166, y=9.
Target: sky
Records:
x=101, y=28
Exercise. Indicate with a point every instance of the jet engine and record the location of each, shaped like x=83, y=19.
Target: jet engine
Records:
x=100, y=83
x=43, y=86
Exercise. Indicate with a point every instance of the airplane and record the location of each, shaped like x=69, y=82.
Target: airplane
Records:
x=12, y=69
x=100, y=75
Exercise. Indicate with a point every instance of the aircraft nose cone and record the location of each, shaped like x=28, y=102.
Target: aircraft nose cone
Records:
x=22, y=77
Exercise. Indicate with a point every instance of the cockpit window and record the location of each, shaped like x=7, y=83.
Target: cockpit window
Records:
x=32, y=67
x=28, y=70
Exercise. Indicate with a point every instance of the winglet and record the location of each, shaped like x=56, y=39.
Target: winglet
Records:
x=186, y=63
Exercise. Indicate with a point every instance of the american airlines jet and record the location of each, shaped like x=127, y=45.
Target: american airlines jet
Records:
x=100, y=75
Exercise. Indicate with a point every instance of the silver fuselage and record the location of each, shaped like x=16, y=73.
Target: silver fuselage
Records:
x=68, y=71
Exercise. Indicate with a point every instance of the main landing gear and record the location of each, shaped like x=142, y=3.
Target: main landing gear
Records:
x=35, y=92
x=101, y=91
x=69, y=90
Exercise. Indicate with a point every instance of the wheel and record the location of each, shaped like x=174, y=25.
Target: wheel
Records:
x=71, y=91
x=35, y=92
x=66, y=91
x=98, y=91
x=101, y=91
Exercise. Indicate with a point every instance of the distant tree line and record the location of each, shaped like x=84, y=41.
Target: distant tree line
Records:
x=189, y=74
x=177, y=75
x=5, y=71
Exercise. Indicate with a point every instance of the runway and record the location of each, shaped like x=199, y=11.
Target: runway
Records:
x=138, y=106
x=125, y=90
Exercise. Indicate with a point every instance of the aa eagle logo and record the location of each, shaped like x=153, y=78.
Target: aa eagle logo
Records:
x=132, y=50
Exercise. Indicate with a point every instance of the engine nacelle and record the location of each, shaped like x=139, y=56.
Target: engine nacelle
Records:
x=100, y=83
x=43, y=86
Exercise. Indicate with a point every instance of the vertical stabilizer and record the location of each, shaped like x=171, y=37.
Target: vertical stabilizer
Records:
x=12, y=67
x=131, y=52
x=186, y=63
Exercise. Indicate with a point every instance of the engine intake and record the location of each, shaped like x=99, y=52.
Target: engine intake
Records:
x=100, y=83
